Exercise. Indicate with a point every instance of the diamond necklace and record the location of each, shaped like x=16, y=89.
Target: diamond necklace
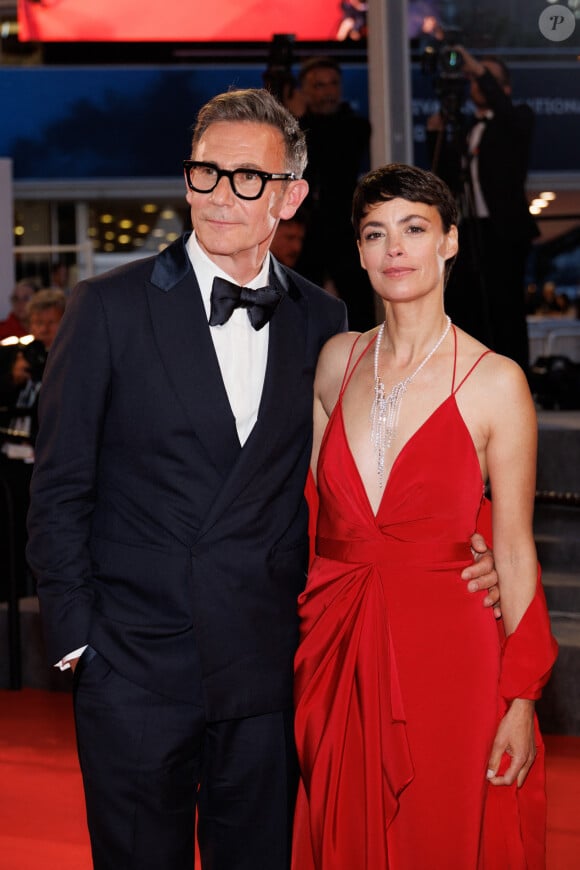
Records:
x=385, y=408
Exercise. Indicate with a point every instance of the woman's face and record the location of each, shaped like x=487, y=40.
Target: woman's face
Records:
x=403, y=247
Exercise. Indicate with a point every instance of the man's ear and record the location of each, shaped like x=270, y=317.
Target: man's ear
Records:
x=295, y=195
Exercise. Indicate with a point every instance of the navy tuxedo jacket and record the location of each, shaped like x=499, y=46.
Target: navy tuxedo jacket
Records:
x=154, y=536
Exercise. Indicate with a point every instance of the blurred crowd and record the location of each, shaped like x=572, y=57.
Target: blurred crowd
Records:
x=26, y=335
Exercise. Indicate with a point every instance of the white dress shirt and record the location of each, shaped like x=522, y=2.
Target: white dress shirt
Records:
x=474, y=139
x=241, y=350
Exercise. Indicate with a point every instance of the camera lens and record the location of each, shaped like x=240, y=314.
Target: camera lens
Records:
x=450, y=60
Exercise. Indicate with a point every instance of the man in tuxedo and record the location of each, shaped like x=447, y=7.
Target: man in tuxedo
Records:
x=338, y=152
x=485, y=164
x=168, y=527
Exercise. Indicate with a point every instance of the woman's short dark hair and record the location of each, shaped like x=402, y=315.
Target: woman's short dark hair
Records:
x=397, y=180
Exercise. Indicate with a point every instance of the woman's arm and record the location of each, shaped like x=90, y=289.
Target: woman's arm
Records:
x=511, y=463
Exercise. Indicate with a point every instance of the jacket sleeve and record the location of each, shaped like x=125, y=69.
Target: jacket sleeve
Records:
x=72, y=410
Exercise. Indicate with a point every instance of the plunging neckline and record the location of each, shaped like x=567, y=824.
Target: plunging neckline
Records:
x=403, y=450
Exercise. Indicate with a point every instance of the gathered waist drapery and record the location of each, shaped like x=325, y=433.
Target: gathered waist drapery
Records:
x=393, y=551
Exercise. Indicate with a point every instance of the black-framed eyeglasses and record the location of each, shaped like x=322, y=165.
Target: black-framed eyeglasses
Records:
x=245, y=183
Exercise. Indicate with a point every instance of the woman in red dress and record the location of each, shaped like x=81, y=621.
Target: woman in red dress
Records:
x=415, y=724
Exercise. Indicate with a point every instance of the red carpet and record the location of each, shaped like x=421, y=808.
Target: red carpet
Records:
x=42, y=824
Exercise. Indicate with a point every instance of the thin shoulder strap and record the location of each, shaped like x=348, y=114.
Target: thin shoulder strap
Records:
x=348, y=374
x=454, y=358
x=475, y=364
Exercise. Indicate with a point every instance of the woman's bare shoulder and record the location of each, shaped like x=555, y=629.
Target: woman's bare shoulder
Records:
x=334, y=359
x=339, y=348
x=495, y=378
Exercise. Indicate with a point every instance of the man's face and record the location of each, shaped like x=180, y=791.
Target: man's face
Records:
x=44, y=325
x=287, y=242
x=321, y=88
x=20, y=299
x=236, y=233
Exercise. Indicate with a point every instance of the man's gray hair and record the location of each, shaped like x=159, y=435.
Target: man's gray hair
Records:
x=260, y=107
x=44, y=299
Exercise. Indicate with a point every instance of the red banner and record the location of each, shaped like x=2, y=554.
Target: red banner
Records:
x=175, y=20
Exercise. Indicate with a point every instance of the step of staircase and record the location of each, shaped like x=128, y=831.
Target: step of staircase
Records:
x=559, y=707
x=557, y=536
x=562, y=592
x=558, y=451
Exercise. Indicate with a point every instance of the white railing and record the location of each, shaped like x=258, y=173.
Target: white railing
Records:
x=553, y=336
x=85, y=262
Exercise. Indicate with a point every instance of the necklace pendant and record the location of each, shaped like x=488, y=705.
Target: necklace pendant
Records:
x=386, y=407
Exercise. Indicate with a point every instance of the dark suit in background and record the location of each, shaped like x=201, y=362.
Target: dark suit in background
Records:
x=338, y=152
x=486, y=291
x=173, y=551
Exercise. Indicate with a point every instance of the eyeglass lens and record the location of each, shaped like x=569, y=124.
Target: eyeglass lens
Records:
x=244, y=182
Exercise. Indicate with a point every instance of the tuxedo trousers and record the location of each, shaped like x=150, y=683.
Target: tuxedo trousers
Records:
x=151, y=763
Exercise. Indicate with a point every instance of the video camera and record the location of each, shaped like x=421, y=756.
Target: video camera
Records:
x=33, y=352
x=444, y=63
x=278, y=77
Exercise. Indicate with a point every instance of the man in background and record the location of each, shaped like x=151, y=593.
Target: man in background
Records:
x=486, y=165
x=289, y=239
x=338, y=151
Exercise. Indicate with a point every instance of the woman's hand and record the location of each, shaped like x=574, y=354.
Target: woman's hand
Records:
x=515, y=737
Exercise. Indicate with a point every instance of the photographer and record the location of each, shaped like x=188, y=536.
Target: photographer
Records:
x=484, y=159
x=21, y=370
x=338, y=151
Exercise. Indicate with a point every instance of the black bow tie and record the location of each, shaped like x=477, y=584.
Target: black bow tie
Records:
x=226, y=296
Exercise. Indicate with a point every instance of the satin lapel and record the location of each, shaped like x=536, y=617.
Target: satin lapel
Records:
x=186, y=349
x=286, y=347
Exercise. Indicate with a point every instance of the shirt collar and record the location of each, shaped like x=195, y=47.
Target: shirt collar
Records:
x=206, y=270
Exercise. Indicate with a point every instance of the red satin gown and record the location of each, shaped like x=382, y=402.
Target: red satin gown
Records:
x=398, y=670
